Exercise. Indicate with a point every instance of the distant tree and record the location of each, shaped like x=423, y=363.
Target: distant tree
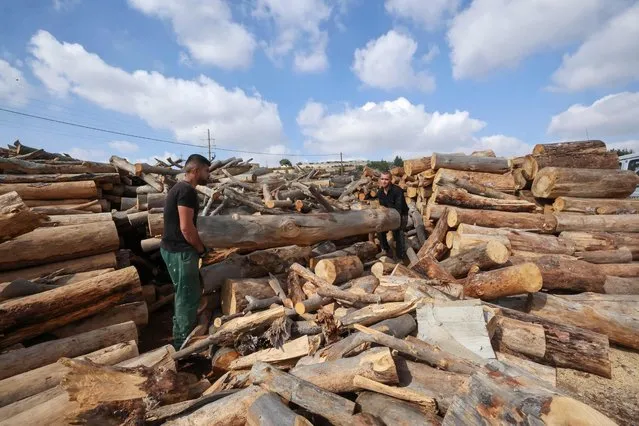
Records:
x=623, y=151
x=398, y=162
x=285, y=162
x=381, y=165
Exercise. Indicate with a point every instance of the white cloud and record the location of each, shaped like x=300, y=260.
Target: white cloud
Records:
x=503, y=146
x=609, y=56
x=184, y=107
x=376, y=129
x=297, y=29
x=89, y=154
x=65, y=5
x=124, y=146
x=612, y=115
x=632, y=144
x=429, y=13
x=206, y=28
x=14, y=88
x=493, y=34
x=151, y=159
x=387, y=63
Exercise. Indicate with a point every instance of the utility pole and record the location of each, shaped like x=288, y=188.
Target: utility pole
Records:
x=341, y=164
x=209, y=132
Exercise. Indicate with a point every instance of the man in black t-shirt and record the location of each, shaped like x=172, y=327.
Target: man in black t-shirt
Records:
x=181, y=246
x=392, y=196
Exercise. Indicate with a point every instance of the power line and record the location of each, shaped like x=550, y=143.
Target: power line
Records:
x=149, y=138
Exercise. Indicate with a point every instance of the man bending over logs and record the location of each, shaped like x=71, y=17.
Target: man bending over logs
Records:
x=392, y=196
x=181, y=246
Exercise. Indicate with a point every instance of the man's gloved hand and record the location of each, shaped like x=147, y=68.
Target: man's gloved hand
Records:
x=204, y=253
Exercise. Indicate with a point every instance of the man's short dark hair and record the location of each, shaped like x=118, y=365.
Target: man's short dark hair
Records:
x=386, y=172
x=194, y=161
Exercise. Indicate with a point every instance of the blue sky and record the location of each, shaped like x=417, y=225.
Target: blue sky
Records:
x=370, y=79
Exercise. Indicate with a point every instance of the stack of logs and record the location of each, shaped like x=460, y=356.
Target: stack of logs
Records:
x=315, y=326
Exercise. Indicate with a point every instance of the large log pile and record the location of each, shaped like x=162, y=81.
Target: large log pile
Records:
x=305, y=322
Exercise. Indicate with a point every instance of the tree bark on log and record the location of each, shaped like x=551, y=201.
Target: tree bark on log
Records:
x=358, y=298
x=501, y=395
x=461, y=198
x=434, y=245
x=134, y=311
x=375, y=313
x=392, y=411
x=430, y=268
x=512, y=280
x=96, y=177
x=77, y=219
x=15, y=165
x=338, y=270
x=365, y=250
x=382, y=268
x=534, y=163
x=426, y=403
x=492, y=219
x=416, y=165
x=594, y=241
x=83, y=264
x=273, y=231
x=485, y=256
x=499, y=182
x=574, y=147
x=47, y=245
x=290, y=350
x=234, y=292
x=156, y=224
x=596, y=205
x=269, y=410
x=15, y=217
x=620, y=255
x=33, y=315
x=461, y=243
x=469, y=163
x=52, y=191
x=334, y=408
x=474, y=188
x=553, y=182
x=627, y=270
x=597, y=223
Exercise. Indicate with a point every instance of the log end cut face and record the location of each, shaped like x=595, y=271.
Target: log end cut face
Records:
x=497, y=252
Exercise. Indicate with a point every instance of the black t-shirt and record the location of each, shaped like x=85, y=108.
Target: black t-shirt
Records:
x=182, y=194
x=394, y=199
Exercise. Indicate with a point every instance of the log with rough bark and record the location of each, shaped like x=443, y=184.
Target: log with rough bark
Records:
x=493, y=219
x=474, y=188
x=82, y=264
x=430, y=268
x=47, y=245
x=269, y=410
x=620, y=255
x=365, y=250
x=156, y=224
x=522, y=240
x=15, y=165
x=96, y=177
x=434, y=245
x=15, y=217
x=573, y=147
x=338, y=270
x=469, y=163
x=461, y=198
x=274, y=231
x=382, y=268
x=543, y=372
x=22, y=360
x=514, y=397
x=500, y=182
x=358, y=298
x=596, y=205
x=628, y=270
x=123, y=164
x=416, y=166
x=534, y=163
x=334, y=408
x=426, y=403
x=36, y=314
x=375, y=313
x=460, y=243
x=52, y=191
x=485, y=256
x=518, y=279
x=620, y=328
x=553, y=182
x=77, y=219
x=337, y=375
x=234, y=292
x=594, y=241
x=290, y=350
x=597, y=223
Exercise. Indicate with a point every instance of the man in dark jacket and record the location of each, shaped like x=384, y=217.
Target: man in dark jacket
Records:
x=392, y=196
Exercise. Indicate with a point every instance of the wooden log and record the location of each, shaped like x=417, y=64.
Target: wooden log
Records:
x=15, y=217
x=47, y=245
x=620, y=255
x=521, y=183
x=417, y=165
x=596, y=205
x=518, y=279
x=278, y=204
x=469, y=163
x=338, y=270
x=150, y=244
x=123, y=164
x=382, y=268
x=77, y=219
x=136, y=312
x=32, y=178
x=474, y=188
x=553, y=182
x=375, y=313
x=492, y=219
x=269, y=410
x=52, y=191
x=485, y=256
x=594, y=241
x=358, y=298
x=33, y=315
x=460, y=243
x=38, y=380
x=461, y=198
x=534, y=163
x=619, y=328
x=597, y=223
x=29, y=167
x=434, y=244
x=142, y=168
x=514, y=395
x=365, y=250
x=234, y=292
x=428, y=267
x=426, y=403
x=628, y=270
x=500, y=182
x=573, y=147
x=22, y=360
x=156, y=224
x=289, y=351
x=543, y=372
x=82, y=264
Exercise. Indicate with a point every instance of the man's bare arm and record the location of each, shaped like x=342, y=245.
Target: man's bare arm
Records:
x=188, y=229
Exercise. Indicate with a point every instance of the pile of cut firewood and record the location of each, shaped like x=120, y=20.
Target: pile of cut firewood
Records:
x=518, y=267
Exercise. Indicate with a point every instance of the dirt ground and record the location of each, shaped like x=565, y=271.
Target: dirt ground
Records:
x=617, y=397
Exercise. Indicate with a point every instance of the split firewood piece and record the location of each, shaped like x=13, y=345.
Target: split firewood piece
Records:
x=434, y=244
x=512, y=280
x=485, y=256
x=15, y=217
x=172, y=411
x=269, y=410
x=514, y=395
x=393, y=411
x=553, y=182
x=426, y=403
x=290, y=350
x=375, y=313
x=334, y=408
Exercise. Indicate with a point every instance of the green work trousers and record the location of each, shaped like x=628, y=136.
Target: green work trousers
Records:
x=183, y=267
